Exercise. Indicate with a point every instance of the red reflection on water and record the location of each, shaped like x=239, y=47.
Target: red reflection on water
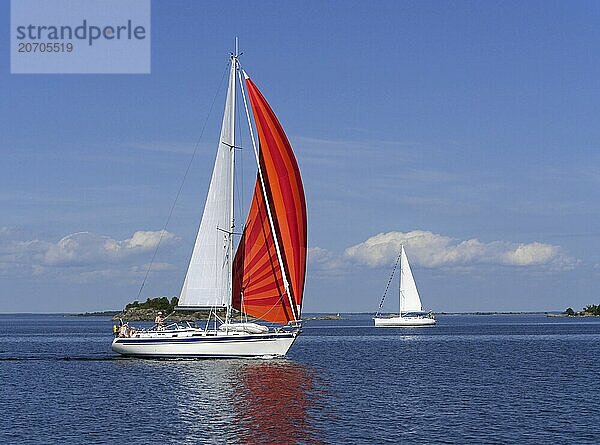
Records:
x=275, y=404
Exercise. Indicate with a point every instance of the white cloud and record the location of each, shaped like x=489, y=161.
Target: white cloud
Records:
x=89, y=254
x=530, y=254
x=325, y=261
x=86, y=248
x=431, y=250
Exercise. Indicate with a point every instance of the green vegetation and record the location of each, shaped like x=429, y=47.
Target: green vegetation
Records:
x=147, y=311
x=156, y=304
x=593, y=310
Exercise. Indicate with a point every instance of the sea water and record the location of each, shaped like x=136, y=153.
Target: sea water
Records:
x=471, y=379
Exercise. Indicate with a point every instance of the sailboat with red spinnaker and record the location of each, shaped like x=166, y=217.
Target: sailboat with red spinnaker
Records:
x=264, y=279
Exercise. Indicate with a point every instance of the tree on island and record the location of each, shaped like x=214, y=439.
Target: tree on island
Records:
x=147, y=310
x=592, y=309
x=157, y=304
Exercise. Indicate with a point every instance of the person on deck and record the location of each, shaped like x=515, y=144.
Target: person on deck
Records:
x=159, y=321
x=124, y=331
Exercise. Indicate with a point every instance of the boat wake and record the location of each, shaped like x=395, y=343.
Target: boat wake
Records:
x=31, y=358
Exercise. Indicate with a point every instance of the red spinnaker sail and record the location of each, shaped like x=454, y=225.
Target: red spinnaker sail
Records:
x=258, y=288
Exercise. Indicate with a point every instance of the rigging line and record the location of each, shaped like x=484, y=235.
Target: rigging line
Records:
x=187, y=170
x=388, y=284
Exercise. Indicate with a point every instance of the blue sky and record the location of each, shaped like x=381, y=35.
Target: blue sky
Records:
x=466, y=130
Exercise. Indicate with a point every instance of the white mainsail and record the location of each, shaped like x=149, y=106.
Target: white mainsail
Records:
x=409, y=296
x=208, y=279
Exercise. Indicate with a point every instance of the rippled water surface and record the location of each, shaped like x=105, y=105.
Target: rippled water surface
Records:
x=471, y=379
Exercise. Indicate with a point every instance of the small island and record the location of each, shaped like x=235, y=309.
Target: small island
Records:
x=324, y=317
x=593, y=310
x=147, y=311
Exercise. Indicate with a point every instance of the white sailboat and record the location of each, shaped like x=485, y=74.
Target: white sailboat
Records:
x=411, y=311
x=265, y=277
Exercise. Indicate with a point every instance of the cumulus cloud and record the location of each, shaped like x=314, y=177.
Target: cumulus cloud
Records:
x=92, y=255
x=324, y=261
x=432, y=250
x=530, y=254
x=85, y=248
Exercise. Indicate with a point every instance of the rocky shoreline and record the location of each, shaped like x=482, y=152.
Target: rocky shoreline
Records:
x=592, y=310
x=143, y=314
x=138, y=314
x=95, y=314
x=576, y=315
x=324, y=317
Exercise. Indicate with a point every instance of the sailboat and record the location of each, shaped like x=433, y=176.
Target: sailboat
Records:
x=411, y=311
x=264, y=280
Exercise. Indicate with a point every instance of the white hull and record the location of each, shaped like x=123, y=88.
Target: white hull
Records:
x=403, y=321
x=198, y=343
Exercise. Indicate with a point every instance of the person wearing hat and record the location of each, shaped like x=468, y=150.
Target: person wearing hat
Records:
x=159, y=320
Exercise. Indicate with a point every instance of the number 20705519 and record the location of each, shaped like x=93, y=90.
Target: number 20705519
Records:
x=45, y=47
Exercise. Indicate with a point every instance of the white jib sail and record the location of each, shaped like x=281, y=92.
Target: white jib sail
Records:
x=409, y=296
x=207, y=280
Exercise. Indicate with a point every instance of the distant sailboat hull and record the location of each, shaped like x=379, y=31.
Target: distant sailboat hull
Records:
x=403, y=321
x=193, y=343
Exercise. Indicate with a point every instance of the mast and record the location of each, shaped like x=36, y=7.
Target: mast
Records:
x=232, y=81
x=400, y=284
